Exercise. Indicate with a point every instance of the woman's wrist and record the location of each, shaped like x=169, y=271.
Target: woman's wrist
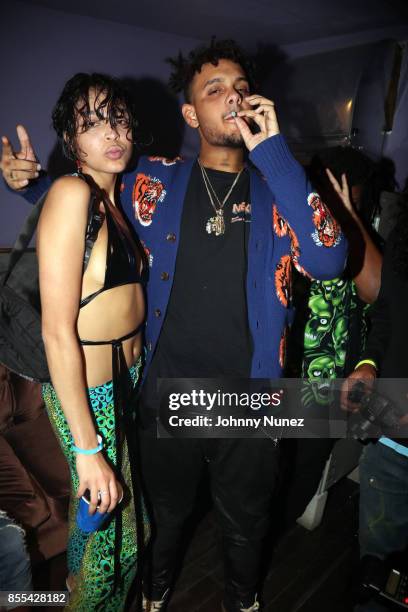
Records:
x=85, y=441
x=83, y=432
x=367, y=362
x=91, y=450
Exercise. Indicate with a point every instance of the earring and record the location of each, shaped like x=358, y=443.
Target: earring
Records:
x=78, y=165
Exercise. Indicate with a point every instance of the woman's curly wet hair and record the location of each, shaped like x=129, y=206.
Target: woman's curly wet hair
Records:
x=185, y=67
x=112, y=102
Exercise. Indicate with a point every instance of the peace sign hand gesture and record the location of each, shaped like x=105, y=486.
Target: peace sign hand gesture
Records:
x=19, y=168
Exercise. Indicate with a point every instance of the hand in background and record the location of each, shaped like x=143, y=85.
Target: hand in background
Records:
x=19, y=168
x=366, y=375
x=342, y=191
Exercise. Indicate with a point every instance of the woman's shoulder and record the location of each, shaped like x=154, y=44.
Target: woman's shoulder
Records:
x=70, y=184
x=67, y=193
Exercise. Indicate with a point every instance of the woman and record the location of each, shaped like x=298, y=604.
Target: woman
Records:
x=92, y=310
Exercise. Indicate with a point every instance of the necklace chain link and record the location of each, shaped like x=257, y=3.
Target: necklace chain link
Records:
x=216, y=224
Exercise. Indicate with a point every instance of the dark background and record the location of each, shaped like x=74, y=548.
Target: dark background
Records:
x=328, y=65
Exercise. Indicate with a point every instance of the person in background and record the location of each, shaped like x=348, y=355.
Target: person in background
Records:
x=15, y=567
x=383, y=522
x=330, y=332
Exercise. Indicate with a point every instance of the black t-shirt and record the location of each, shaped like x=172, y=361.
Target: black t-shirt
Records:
x=206, y=333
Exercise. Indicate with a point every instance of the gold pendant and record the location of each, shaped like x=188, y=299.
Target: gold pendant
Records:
x=216, y=225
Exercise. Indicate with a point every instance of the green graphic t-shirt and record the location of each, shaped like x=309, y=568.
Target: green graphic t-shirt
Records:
x=335, y=333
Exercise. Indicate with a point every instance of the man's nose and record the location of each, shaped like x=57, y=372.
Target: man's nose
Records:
x=234, y=98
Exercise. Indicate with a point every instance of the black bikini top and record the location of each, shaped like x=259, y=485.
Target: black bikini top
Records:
x=124, y=258
x=123, y=255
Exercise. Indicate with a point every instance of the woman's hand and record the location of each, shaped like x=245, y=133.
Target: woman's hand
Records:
x=342, y=191
x=96, y=475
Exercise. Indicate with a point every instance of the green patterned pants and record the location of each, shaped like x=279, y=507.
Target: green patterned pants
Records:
x=104, y=563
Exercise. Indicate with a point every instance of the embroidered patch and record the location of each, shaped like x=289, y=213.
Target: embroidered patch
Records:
x=282, y=347
x=148, y=254
x=282, y=228
x=280, y=225
x=294, y=245
x=327, y=229
x=283, y=279
x=301, y=270
x=148, y=191
x=165, y=160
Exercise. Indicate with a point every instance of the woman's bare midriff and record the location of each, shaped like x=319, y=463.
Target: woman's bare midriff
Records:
x=112, y=314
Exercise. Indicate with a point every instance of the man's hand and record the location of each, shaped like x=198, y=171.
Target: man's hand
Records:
x=19, y=168
x=264, y=116
x=365, y=374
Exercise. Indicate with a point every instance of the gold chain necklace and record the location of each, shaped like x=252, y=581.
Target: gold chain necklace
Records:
x=216, y=225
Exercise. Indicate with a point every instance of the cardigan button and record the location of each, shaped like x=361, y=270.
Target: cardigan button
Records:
x=149, y=346
x=164, y=276
x=171, y=237
x=157, y=313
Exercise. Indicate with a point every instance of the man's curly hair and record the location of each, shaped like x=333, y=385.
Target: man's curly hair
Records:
x=185, y=67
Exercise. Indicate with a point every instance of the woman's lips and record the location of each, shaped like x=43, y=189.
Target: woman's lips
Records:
x=114, y=153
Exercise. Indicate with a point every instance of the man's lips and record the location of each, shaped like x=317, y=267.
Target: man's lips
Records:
x=230, y=117
x=114, y=152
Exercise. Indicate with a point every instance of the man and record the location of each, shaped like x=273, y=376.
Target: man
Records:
x=333, y=336
x=383, y=522
x=220, y=240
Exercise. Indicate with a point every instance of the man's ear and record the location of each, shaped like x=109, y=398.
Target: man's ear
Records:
x=190, y=117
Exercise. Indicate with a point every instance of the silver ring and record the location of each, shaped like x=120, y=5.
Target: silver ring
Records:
x=102, y=492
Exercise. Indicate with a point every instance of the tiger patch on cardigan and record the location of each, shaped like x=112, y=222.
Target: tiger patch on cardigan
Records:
x=147, y=192
x=283, y=279
x=327, y=232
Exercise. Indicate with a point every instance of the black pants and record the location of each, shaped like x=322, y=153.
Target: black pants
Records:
x=243, y=474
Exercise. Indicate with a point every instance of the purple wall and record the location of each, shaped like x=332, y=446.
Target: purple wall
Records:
x=43, y=49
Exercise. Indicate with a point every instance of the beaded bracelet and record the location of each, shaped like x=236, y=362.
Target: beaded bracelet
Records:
x=90, y=451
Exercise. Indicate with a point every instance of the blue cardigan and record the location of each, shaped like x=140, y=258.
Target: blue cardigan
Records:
x=289, y=224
